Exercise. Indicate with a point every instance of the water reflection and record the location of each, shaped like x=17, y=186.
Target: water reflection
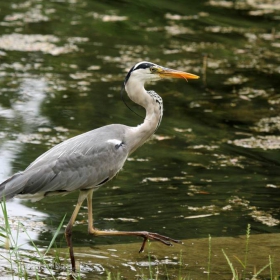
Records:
x=21, y=218
x=24, y=117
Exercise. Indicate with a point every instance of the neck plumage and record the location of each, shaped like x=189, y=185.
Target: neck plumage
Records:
x=152, y=103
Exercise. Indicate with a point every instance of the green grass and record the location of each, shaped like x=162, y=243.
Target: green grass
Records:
x=24, y=264
x=209, y=257
x=243, y=274
x=19, y=261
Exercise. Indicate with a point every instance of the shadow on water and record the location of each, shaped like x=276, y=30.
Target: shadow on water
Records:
x=213, y=166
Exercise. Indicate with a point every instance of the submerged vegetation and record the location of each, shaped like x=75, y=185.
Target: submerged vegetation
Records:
x=52, y=263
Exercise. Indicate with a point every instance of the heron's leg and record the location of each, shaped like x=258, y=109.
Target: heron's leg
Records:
x=89, y=204
x=68, y=230
x=144, y=234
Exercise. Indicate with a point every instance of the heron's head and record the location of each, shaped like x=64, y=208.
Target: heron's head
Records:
x=146, y=71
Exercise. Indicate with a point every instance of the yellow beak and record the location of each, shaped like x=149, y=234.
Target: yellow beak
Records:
x=170, y=73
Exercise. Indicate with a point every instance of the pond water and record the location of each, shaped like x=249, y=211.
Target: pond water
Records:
x=213, y=166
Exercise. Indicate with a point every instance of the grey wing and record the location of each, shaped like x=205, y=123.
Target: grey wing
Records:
x=82, y=162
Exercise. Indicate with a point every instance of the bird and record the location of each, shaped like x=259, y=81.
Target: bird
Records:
x=89, y=160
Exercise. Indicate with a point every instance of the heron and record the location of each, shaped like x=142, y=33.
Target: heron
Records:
x=89, y=160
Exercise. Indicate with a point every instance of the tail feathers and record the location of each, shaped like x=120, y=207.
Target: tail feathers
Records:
x=12, y=186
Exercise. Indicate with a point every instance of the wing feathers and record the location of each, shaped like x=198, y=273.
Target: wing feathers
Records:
x=81, y=162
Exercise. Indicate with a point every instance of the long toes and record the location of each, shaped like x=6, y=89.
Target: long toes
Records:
x=162, y=238
x=156, y=237
x=143, y=245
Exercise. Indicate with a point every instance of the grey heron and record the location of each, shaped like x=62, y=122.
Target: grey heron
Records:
x=87, y=161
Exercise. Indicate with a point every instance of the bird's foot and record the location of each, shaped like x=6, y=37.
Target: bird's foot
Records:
x=144, y=234
x=156, y=237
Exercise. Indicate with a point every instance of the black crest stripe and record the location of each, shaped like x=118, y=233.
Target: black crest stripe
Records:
x=140, y=65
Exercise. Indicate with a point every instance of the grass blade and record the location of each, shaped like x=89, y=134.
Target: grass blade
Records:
x=209, y=258
x=235, y=276
x=55, y=235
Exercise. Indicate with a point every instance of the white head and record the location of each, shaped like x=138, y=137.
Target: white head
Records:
x=145, y=71
x=142, y=72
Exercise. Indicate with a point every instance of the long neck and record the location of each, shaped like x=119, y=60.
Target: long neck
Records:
x=137, y=136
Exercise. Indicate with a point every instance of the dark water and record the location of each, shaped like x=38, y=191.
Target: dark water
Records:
x=212, y=167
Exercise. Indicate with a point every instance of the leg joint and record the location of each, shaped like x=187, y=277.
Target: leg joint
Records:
x=93, y=231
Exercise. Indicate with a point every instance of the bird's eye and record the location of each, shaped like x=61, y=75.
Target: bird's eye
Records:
x=153, y=69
